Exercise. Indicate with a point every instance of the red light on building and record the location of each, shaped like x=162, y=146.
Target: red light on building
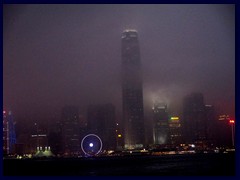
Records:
x=231, y=121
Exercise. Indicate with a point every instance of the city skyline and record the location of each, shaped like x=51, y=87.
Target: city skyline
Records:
x=57, y=55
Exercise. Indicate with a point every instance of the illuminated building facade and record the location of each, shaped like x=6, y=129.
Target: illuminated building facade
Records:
x=175, y=135
x=132, y=91
x=101, y=121
x=161, y=126
x=9, y=135
x=70, y=130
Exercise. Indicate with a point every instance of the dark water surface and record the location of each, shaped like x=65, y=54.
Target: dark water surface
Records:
x=170, y=165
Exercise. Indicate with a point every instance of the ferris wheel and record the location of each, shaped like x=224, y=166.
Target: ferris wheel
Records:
x=91, y=145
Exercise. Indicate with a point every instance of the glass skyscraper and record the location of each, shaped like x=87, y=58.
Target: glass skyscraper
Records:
x=132, y=91
x=161, y=125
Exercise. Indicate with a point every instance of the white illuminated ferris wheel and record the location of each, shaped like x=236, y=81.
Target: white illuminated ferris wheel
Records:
x=91, y=145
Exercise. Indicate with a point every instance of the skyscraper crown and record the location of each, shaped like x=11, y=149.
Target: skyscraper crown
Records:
x=129, y=30
x=129, y=33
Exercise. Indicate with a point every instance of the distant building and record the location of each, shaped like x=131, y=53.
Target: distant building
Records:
x=161, y=126
x=223, y=134
x=55, y=137
x=224, y=117
x=70, y=130
x=24, y=129
x=194, y=119
x=101, y=121
x=9, y=135
x=83, y=127
x=211, y=125
x=175, y=134
x=39, y=137
x=119, y=136
x=132, y=91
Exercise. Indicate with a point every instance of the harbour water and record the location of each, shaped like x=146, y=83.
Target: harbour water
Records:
x=165, y=165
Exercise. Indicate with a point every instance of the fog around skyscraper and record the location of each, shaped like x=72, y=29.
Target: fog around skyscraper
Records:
x=132, y=91
x=57, y=55
x=119, y=89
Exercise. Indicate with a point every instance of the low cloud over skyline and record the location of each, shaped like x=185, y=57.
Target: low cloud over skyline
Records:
x=57, y=55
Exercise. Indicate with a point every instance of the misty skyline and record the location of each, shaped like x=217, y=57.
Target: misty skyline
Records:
x=57, y=55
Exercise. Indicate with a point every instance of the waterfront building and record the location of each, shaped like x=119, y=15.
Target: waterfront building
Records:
x=132, y=91
x=161, y=126
x=175, y=135
x=9, y=135
x=101, y=121
x=70, y=130
x=195, y=119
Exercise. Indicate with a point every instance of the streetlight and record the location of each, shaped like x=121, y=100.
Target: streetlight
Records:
x=232, y=122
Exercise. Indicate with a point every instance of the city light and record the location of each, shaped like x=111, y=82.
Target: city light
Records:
x=174, y=118
x=93, y=151
x=231, y=121
x=223, y=117
x=143, y=95
x=192, y=145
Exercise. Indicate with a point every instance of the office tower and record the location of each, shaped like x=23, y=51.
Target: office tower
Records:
x=223, y=134
x=175, y=136
x=132, y=92
x=55, y=137
x=161, y=126
x=39, y=137
x=211, y=124
x=70, y=130
x=194, y=119
x=24, y=129
x=9, y=135
x=101, y=121
x=119, y=135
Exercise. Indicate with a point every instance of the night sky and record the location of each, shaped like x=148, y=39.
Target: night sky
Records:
x=57, y=55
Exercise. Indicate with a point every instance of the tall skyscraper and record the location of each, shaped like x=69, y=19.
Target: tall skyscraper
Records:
x=132, y=91
x=101, y=121
x=70, y=130
x=161, y=126
x=9, y=135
